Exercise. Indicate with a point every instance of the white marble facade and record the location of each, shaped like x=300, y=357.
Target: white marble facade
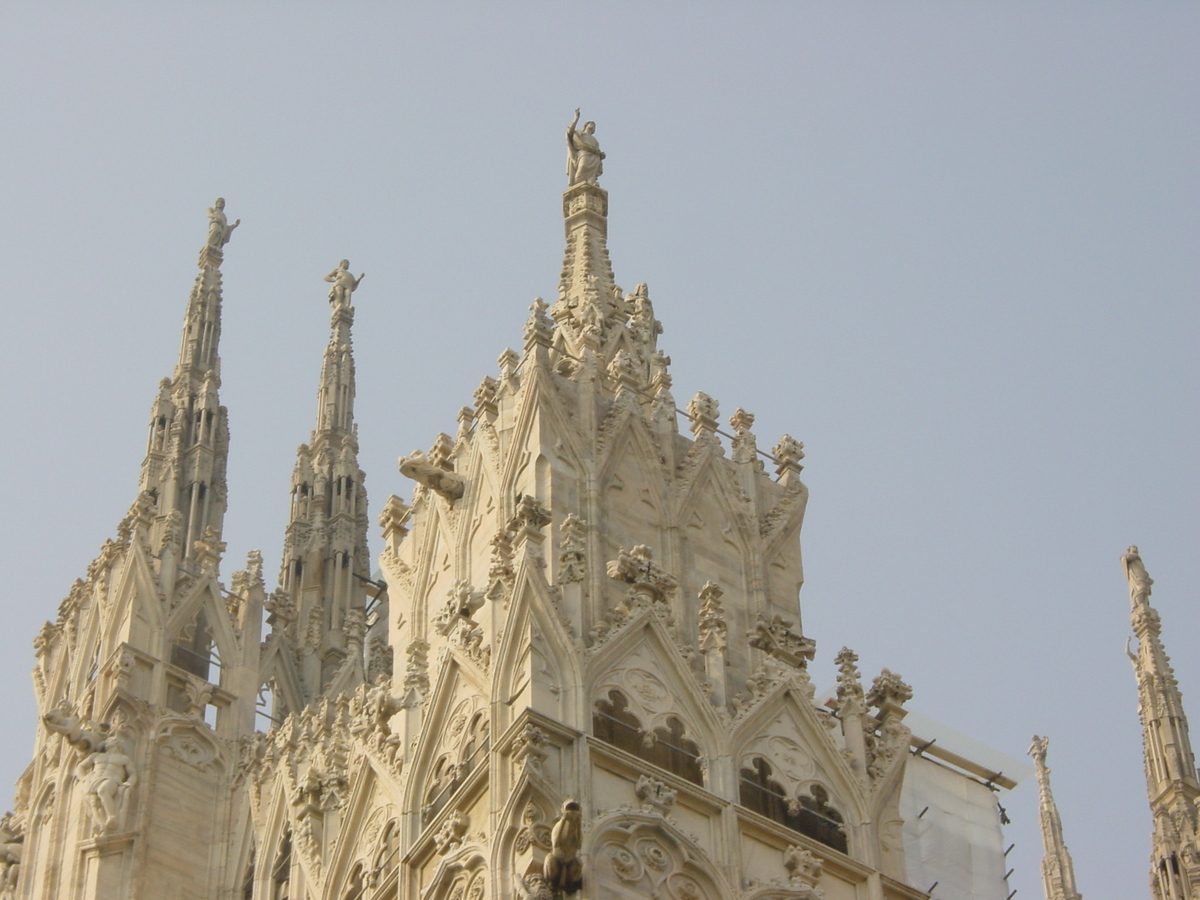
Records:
x=587, y=674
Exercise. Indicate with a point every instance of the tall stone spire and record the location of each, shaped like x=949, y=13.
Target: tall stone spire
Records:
x=188, y=445
x=325, y=563
x=595, y=320
x=1058, y=872
x=1171, y=782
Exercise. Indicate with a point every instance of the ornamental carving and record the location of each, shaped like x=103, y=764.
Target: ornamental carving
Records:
x=534, y=832
x=644, y=860
x=775, y=637
x=712, y=627
x=637, y=567
x=572, y=560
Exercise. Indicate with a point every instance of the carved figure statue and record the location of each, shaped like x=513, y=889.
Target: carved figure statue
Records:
x=11, y=847
x=108, y=777
x=1135, y=572
x=1038, y=748
x=562, y=869
x=344, y=283
x=219, y=228
x=584, y=159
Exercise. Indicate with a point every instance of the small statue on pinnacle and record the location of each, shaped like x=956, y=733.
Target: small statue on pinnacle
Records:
x=219, y=229
x=344, y=284
x=584, y=158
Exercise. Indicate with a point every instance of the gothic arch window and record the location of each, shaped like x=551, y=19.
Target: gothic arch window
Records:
x=355, y=885
x=444, y=781
x=248, y=879
x=388, y=855
x=281, y=872
x=476, y=744
x=666, y=746
x=811, y=815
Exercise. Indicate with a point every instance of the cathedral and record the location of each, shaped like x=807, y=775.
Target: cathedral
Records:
x=576, y=669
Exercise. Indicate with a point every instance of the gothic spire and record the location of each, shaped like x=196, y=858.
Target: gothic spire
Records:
x=1058, y=872
x=596, y=321
x=1171, y=781
x=188, y=445
x=325, y=562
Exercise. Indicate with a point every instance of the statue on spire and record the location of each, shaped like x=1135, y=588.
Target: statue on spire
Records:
x=584, y=158
x=344, y=284
x=1135, y=572
x=219, y=229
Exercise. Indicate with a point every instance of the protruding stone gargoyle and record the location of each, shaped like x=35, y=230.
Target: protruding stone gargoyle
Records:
x=442, y=481
x=63, y=721
x=562, y=869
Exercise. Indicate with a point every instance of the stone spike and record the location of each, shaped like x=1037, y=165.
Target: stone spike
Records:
x=187, y=449
x=327, y=527
x=1058, y=872
x=1171, y=781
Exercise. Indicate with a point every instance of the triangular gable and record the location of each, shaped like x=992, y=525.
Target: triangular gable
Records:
x=533, y=626
x=785, y=729
x=643, y=663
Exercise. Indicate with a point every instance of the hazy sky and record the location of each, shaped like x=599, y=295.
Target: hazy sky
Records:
x=951, y=247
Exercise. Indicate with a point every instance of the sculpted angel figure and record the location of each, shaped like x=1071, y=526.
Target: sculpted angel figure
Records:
x=344, y=283
x=584, y=159
x=219, y=228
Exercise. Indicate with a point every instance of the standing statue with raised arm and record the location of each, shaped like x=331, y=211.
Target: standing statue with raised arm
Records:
x=344, y=284
x=219, y=228
x=584, y=159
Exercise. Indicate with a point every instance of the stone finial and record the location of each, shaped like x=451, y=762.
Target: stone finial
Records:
x=585, y=161
x=538, y=327
x=572, y=559
x=209, y=548
x=745, y=445
x=703, y=411
x=485, y=397
x=508, y=361
x=775, y=637
x=344, y=284
x=394, y=518
x=466, y=420
x=848, y=677
x=788, y=453
x=530, y=513
x=889, y=693
x=637, y=566
x=712, y=626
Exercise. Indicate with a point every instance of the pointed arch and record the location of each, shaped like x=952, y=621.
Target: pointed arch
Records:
x=800, y=766
x=533, y=629
x=433, y=777
x=642, y=663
